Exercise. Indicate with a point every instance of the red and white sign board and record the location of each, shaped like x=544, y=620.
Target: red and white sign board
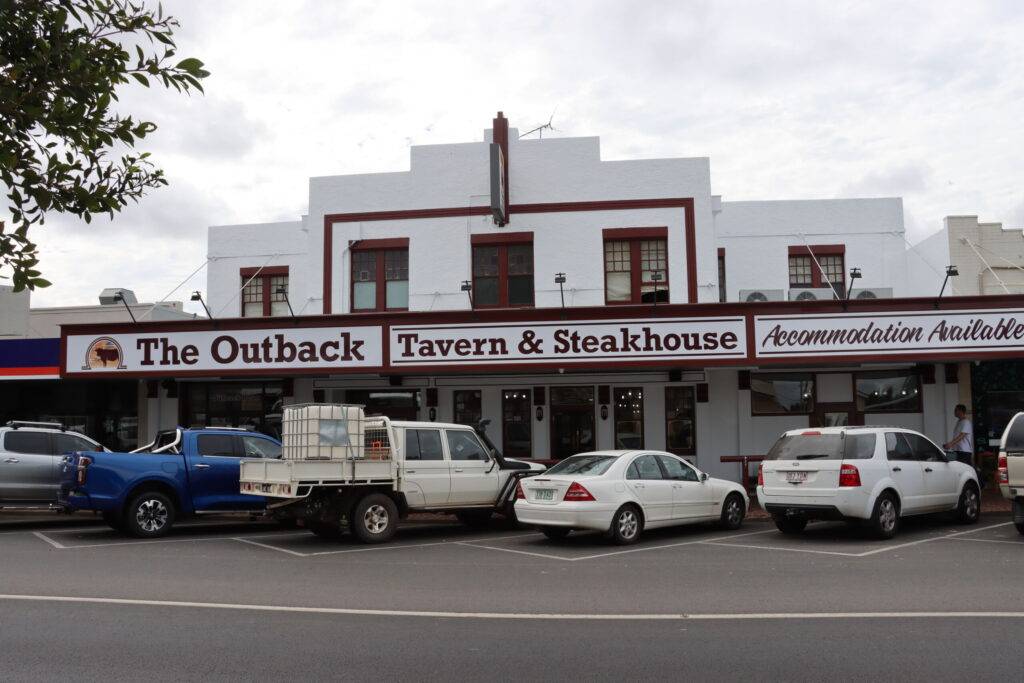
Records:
x=607, y=341
x=253, y=351
x=911, y=333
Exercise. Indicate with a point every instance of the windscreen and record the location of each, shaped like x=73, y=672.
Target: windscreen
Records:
x=583, y=464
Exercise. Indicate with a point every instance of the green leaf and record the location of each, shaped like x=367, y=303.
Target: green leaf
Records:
x=141, y=79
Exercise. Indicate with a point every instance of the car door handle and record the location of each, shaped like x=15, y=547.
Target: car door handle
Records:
x=897, y=469
x=201, y=466
x=12, y=460
x=639, y=486
x=458, y=469
x=410, y=471
x=927, y=469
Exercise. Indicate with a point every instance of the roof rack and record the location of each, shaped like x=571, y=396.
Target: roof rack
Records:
x=227, y=429
x=17, y=424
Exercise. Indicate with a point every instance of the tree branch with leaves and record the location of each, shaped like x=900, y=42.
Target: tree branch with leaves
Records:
x=62, y=148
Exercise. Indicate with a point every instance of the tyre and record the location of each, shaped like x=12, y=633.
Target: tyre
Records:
x=555, y=533
x=733, y=512
x=325, y=530
x=885, y=519
x=790, y=525
x=475, y=519
x=968, y=510
x=627, y=524
x=1020, y=527
x=149, y=515
x=375, y=519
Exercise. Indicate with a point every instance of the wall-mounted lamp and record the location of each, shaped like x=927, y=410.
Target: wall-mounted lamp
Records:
x=196, y=296
x=120, y=297
x=467, y=287
x=951, y=271
x=433, y=414
x=283, y=291
x=560, y=281
x=540, y=413
x=604, y=412
x=656, y=277
x=854, y=276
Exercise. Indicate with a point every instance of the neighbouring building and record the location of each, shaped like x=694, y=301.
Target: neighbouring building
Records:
x=574, y=302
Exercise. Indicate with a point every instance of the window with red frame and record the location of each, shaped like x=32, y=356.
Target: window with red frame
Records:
x=636, y=271
x=502, y=275
x=380, y=279
x=264, y=291
x=804, y=272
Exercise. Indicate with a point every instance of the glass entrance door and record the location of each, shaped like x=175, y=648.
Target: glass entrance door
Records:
x=836, y=415
x=572, y=421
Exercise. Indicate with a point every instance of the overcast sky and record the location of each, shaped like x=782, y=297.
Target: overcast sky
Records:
x=790, y=100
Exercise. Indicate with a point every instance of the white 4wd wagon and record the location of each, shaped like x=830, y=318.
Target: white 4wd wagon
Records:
x=871, y=474
x=1011, y=467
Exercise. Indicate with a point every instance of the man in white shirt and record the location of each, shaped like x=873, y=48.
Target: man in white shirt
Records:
x=962, y=442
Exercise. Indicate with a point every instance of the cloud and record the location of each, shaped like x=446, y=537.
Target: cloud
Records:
x=902, y=180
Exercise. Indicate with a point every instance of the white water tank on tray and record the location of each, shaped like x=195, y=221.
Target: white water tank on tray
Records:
x=318, y=431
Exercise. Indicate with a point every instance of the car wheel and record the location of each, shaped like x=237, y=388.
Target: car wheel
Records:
x=885, y=520
x=375, y=519
x=790, y=525
x=475, y=519
x=325, y=530
x=149, y=515
x=733, y=511
x=555, y=533
x=627, y=524
x=968, y=510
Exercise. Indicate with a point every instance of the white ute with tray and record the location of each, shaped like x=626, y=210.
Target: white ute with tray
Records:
x=342, y=471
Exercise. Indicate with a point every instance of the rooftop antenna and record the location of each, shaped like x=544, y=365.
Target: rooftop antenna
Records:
x=539, y=130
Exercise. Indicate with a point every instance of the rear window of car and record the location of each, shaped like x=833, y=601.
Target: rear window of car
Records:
x=583, y=464
x=816, y=446
x=1015, y=434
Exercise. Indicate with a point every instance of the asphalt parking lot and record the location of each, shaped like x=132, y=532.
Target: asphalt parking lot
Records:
x=933, y=578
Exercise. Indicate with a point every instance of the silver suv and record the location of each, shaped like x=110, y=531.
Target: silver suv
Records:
x=30, y=457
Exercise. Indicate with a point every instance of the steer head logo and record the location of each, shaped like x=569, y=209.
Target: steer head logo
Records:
x=104, y=353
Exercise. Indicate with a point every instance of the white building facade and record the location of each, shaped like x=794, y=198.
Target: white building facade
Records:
x=574, y=302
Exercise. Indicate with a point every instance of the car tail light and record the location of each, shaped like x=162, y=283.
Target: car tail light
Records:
x=760, y=475
x=83, y=464
x=849, y=476
x=577, y=493
x=1003, y=469
x=520, y=494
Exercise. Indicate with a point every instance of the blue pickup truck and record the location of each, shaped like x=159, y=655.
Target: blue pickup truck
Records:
x=183, y=472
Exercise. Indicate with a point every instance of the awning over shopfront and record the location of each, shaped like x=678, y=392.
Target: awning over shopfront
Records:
x=700, y=335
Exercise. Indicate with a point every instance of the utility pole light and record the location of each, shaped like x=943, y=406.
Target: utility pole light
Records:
x=560, y=281
x=283, y=291
x=951, y=271
x=467, y=287
x=196, y=296
x=120, y=297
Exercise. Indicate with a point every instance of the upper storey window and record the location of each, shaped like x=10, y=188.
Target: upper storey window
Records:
x=264, y=291
x=636, y=266
x=503, y=270
x=804, y=272
x=380, y=275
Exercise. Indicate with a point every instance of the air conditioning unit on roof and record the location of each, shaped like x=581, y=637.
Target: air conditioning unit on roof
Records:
x=756, y=295
x=811, y=294
x=873, y=293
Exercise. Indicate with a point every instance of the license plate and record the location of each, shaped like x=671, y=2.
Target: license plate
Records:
x=544, y=494
x=796, y=477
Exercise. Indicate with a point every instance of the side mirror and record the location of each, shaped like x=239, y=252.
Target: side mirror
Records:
x=703, y=477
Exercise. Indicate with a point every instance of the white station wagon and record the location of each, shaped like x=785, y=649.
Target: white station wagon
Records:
x=624, y=492
x=872, y=474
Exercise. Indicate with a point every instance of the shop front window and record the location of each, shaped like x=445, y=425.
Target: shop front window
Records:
x=467, y=407
x=572, y=421
x=680, y=421
x=254, y=405
x=397, y=404
x=629, y=417
x=888, y=392
x=788, y=393
x=516, y=426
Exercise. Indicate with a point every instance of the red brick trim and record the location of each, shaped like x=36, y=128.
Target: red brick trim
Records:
x=501, y=238
x=388, y=243
x=818, y=249
x=266, y=270
x=635, y=233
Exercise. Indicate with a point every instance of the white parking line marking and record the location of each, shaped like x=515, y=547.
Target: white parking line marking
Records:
x=49, y=540
x=366, y=549
x=932, y=538
x=986, y=540
x=769, y=547
x=744, y=616
x=264, y=545
x=513, y=550
x=670, y=545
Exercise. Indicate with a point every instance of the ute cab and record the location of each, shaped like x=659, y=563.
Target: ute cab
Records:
x=1010, y=470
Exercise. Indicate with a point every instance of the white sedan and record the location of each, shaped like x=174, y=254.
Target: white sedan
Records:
x=624, y=492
